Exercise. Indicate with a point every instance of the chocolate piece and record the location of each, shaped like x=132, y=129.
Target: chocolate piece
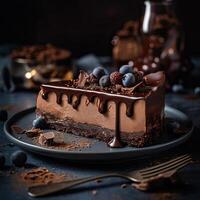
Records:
x=154, y=79
x=46, y=138
x=17, y=129
x=82, y=79
x=34, y=132
x=51, y=138
x=59, y=138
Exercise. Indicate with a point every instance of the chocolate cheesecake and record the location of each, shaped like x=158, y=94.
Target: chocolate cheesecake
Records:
x=113, y=113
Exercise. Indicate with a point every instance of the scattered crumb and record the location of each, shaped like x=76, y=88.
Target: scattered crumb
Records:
x=66, y=146
x=40, y=176
x=55, y=140
x=51, y=139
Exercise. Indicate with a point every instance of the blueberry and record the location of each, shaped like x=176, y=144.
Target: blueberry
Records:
x=104, y=81
x=98, y=72
x=178, y=88
x=39, y=123
x=19, y=158
x=3, y=115
x=197, y=91
x=128, y=80
x=2, y=160
x=126, y=69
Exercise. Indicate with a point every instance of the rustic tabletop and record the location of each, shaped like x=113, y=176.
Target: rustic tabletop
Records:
x=112, y=188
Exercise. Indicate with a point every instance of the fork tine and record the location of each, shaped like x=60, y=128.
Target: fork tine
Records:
x=166, y=171
x=164, y=164
x=175, y=168
x=157, y=168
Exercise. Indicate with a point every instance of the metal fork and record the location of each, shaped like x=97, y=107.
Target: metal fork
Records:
x=169, y=167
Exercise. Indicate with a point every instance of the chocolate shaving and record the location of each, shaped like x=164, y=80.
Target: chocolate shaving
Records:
x=17, y=129
x=51, y=138
x=118, y=88
x=46, y=138
x=59, y=138
x=143, y=85
x=154, y=79
x=131, y=90
x=82, y=79
x=34, y=132
x=92, y=79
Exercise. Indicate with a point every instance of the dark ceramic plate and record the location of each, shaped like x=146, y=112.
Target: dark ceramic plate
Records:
x=99, y=150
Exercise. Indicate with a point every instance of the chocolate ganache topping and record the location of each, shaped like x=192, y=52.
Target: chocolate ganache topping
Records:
x=89, y=86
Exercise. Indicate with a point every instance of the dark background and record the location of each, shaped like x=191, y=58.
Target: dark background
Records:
x=83, y=26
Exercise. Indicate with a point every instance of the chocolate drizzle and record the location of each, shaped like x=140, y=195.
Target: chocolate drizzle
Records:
x=59, y=98
x=76, y=103
x=129, y=110
x=102, y=108
x=91, y=95
x=69, y=99
x=116, y=141
x=44, y=95
x=60, y=88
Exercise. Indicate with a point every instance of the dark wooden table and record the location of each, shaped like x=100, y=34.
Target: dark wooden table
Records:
x=108, y=188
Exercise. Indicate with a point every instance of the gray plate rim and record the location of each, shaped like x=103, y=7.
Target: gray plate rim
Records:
x=143, y=150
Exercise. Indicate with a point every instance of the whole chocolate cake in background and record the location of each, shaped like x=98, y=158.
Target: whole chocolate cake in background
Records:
x=121, y=108
x=36, y=64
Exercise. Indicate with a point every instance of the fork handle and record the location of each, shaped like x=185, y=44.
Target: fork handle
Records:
x=42, y=190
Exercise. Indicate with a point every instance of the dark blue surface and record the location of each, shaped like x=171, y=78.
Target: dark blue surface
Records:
x=108, y=188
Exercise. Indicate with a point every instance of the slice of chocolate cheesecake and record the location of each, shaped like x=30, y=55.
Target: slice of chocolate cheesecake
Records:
x=105, y=108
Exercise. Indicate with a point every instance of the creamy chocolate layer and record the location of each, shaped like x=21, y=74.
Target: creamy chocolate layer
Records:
x=118, y=116
x=87, y=112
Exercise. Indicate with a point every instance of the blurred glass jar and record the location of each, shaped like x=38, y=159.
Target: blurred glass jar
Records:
x=159, y=43
x=31, y=66
x=164, y=38
x=126, y=44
